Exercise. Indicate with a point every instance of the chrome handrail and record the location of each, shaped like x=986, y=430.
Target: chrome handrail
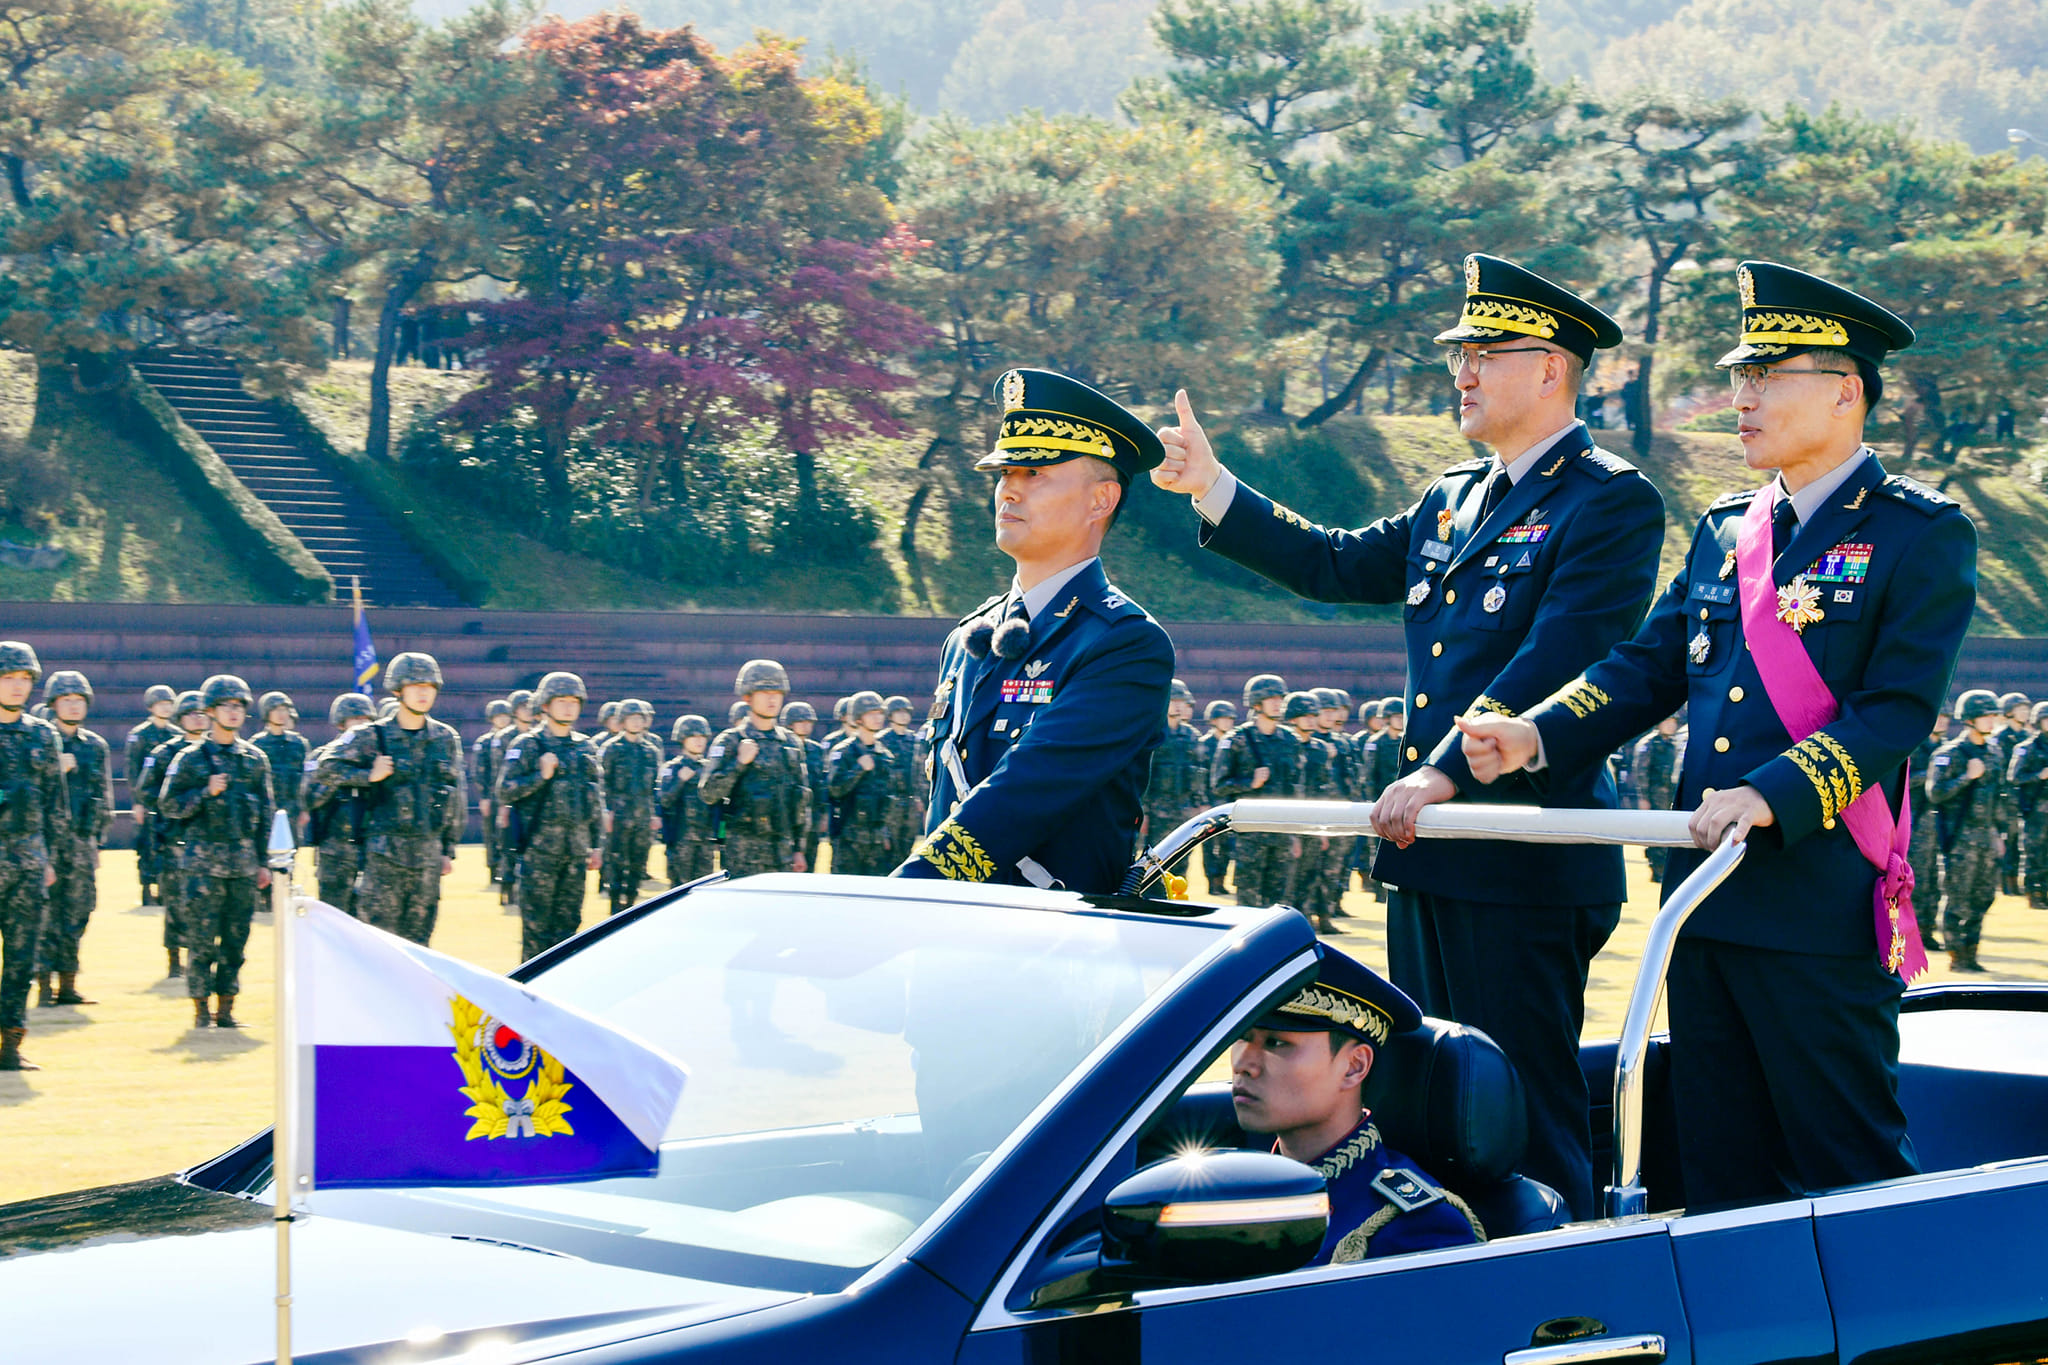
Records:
x=1626, y=1197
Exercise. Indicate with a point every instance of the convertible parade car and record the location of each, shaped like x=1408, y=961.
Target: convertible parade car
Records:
x=932, y=1122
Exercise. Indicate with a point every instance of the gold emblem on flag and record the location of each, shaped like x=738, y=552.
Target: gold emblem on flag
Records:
x=490, y=1054
x=1799, y=604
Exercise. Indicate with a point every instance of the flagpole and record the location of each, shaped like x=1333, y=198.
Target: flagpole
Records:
x=284, y=1134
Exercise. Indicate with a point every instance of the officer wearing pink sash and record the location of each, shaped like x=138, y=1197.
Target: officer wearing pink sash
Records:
x=1812, y=633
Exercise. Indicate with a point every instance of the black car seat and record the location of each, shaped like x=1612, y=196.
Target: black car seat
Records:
x=1443, y=1095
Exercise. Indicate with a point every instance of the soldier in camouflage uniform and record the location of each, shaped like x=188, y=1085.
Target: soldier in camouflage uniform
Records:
x=870, y=792
x=2014, y=708
x=1654, y=766
x=159, y=702
x=1221, y=718
x=1966, y=789
x=755, y=771
x=75, y=852
x=686, y=822
x=33, y=814
x=483, y=777
x=524, y=722
x=1382, y=766
x=2026, y=777
x=631, y=765
x=1260, y=759
x=800, y=718
x=1315, y=780
x=903, y=742
x=735, y=713
x=551, y=782
x=1925, y=853
x=607, y=724
x=1177, y=785
x=170, y=834
x=408, y=770
x=287, y=751
x=220, y=788
x=1332, y=714
x=334, y=813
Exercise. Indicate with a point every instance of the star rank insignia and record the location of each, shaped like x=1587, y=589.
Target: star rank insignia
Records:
x=1799, y=604
x=1699, y=647
x=1728, y=564
x=1418, y=594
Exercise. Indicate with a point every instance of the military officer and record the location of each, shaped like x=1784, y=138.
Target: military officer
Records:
x=33, y=813
x=1654, y=778
x=1967, y=789
x=686, y=822
x=170, y=834
x=158, y=701
x=334, y=812
x=755, y=773
x=800, y=718
x=219, y=787
x=483, y=776
x=408, y=769
x=1298, y=1074
x=75, y=852
x=632, y=778
x=1925, y=856
x=1221, y=718
x=287, y=751
x=1052, y=694
x=869, y=785
x=1178, y=784
x=1515, y=571
x=1260, y=759
x=1811, y=634
x=550, y=780
x=2026, y=778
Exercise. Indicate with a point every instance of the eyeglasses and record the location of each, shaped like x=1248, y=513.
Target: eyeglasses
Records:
x=1762, y=375
x=1456, y=358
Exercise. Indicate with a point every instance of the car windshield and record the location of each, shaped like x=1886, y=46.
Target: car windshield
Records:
x=853, y=1059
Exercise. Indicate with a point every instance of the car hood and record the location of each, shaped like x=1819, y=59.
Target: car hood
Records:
x=166, y=1272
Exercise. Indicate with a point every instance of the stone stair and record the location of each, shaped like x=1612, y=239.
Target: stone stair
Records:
x=351, y=538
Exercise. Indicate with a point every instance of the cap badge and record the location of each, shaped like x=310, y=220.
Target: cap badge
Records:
x=1013, y=390
x=1745, y=284
x=1471, y=274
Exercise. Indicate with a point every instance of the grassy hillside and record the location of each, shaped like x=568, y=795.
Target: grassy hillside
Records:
x=128, y=533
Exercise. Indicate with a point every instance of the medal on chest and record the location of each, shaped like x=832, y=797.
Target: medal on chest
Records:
x=1496, y=598
x=1419, y=594
x=1799, y=604
x=1699, y=647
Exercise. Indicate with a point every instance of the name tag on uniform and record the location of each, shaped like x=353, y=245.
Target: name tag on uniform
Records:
x=512, y=753
x=1714, y=592
x=1435, y=549
x=1030, y=691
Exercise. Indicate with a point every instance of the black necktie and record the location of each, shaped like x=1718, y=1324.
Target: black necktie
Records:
x=1784, y=523
x=1497, y=488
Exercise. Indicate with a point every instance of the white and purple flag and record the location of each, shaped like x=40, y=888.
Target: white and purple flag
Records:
x=426, y=1070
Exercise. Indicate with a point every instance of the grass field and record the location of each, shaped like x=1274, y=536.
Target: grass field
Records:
x=130, y=1090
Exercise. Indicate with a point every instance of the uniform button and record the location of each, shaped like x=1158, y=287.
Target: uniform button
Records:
x=1735, y=694
x=1721, y=745
x=1450, y=595
x=1436, y=649
x=1703, y=613
x=1421, y=700
x=1827, y=824
x=1706, y=792
x=1413, y=753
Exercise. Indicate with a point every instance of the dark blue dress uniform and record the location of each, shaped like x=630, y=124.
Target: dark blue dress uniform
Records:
x=1042, y=728
x=1784, y=1015
x=1381, y=1203
x=1507, y=593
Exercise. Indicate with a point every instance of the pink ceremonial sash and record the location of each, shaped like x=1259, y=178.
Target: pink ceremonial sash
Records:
x=1804, y=704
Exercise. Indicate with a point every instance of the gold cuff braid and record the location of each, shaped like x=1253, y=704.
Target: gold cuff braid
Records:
x=1582, y=699
x=956, y=854
x=1828, y=766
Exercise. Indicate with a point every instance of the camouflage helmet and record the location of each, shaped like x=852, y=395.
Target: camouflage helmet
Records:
x=1178, y=691
x=894, y=704
x=1370, y=710
x=841, y=709
x=158, y=692
x=350, y=706
x=2039, y=713
x=187, y=703
x=66, y=682
x=608, y=710
x=411, y=667
x=1263, y=686
x=1343, y=699
x=2012, y=699
x=860, y=703
x=1393, y=708
x=1300, y=704
x=16, y=657
x=388, y=706
x=736, y=713
x=559, y=685
x=690, y=725
x=1219, y=708
x=519, y=698
x=799, y=711
x=1328, y=699
x=224, y=687
x=760, y=675
x=496, y=708
x=633, y=706
x=270, y=701
x=41, y=710
x=1976, y=704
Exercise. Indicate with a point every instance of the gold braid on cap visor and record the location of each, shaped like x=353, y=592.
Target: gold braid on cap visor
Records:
x=1792, y=329
x=1320, y=1002
x=1050, y=434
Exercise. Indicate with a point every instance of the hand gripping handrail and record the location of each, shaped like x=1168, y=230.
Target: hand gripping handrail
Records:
x=1626, y=1197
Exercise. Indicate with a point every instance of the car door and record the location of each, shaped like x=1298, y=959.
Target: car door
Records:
x=1609, y=1290
x=1949, y=1268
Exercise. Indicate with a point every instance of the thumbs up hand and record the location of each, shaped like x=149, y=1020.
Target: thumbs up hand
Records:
x=1190, y=465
